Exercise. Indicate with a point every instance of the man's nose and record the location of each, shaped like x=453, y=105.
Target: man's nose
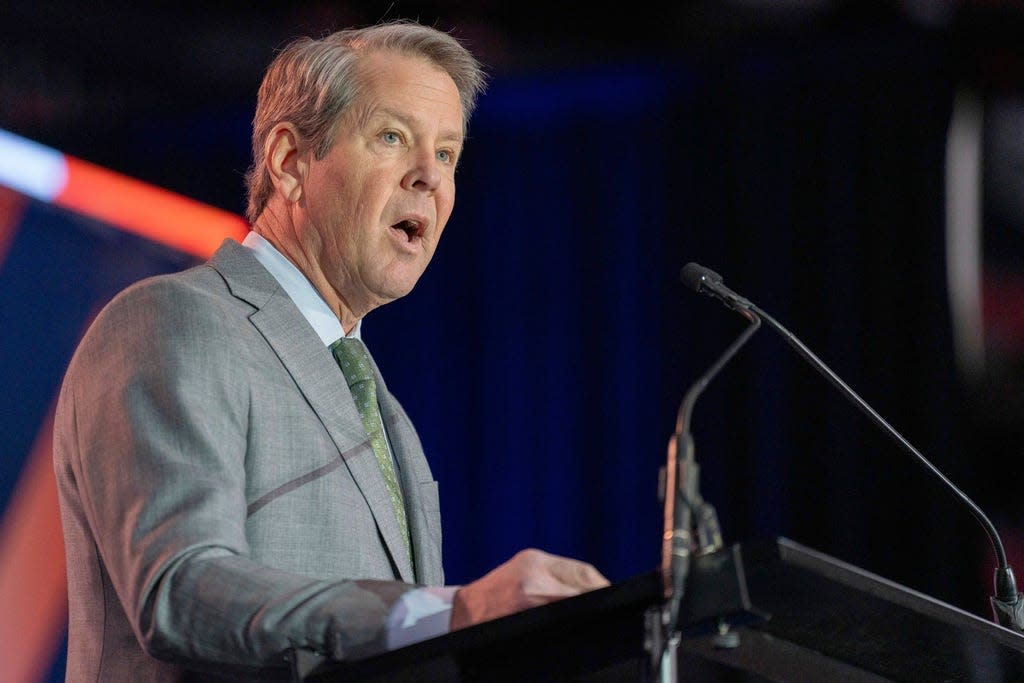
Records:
x=425, y=174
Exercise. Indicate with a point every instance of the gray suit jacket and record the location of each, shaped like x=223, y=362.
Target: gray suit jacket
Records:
x=219, y=496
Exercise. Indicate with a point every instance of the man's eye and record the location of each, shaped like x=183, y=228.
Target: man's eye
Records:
x=391, y=137
x=446, y=156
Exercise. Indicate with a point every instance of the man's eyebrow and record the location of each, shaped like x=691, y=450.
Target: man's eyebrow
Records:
x=450, y=135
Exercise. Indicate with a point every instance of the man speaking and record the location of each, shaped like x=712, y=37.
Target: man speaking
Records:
x=235, y=478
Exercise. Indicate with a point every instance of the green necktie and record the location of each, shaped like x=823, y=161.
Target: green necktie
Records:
x=355, y=363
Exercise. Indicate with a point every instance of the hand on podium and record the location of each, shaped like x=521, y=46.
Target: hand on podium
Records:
x=530, y=579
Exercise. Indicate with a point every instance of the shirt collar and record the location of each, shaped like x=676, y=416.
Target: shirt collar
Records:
x=309, y=302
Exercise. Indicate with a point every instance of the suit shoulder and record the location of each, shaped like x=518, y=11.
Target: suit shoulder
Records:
x=191, y=314
x=172, y=303
x=200, y=285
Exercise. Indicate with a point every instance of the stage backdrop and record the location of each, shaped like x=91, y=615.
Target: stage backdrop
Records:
x=808, y=174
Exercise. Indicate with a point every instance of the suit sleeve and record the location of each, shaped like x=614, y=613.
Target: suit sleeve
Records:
x=154, y=421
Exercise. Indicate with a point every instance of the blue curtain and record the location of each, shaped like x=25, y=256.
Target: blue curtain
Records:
x=527, y=356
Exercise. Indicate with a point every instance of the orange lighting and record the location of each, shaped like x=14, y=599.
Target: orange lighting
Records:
x=33, y=577
x=148, y=211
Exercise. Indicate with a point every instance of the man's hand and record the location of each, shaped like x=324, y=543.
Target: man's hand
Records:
x=529, y=579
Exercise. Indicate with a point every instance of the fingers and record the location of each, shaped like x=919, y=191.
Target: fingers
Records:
x=531, y=578
x=557, y=575
x=575, y=574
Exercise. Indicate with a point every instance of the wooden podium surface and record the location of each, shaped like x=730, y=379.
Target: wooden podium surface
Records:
x=825, y=621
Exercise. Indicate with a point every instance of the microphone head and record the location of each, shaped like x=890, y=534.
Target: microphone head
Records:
x=695, y=275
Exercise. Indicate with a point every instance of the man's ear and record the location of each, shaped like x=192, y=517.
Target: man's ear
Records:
x=286, y=161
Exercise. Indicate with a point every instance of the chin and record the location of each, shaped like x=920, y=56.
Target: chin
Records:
x=395, y=290
x=397, y=284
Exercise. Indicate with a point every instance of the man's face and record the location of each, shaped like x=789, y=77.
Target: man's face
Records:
x=375, y=206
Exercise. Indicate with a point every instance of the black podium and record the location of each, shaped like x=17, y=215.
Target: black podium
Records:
x=793, y=615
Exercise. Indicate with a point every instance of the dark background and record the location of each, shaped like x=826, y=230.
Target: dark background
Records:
x=796, y=147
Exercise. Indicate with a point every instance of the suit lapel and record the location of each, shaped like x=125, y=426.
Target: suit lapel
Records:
x=319, y=379
x=418, y=487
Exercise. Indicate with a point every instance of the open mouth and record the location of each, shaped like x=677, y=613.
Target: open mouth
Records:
x=412, y=229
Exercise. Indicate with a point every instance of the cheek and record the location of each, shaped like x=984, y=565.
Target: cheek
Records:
x=445, y=205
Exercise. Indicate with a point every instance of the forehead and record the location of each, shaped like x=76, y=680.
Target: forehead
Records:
x=412, y=85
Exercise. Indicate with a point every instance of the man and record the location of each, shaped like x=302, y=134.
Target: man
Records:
x=234, y=477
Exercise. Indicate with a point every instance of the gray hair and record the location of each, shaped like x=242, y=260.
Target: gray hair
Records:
x=312, y=82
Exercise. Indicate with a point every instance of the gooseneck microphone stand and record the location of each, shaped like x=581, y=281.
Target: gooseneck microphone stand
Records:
x=1007, y=603
x=686, y=511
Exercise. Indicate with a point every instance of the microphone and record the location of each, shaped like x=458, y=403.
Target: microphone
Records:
x=706, y=281
x=1007, y=603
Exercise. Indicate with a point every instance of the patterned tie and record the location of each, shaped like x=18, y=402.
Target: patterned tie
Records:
x=355, y=363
